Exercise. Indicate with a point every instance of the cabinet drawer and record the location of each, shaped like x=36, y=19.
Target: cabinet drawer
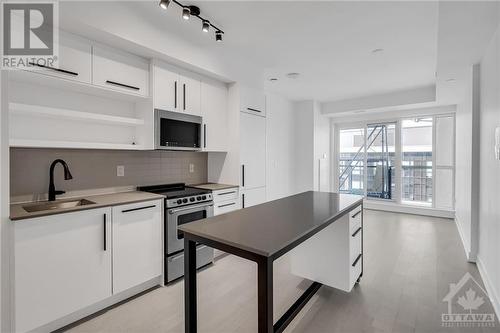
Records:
x=355, y=271
x=226, y=206
x=120, y=71
x=225, y=195
x=355, y=217
x=355, y=243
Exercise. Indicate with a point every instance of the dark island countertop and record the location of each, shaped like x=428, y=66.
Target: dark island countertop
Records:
x=272, y=228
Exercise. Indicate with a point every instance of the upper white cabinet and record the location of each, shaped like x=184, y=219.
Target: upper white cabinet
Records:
x=75, y=60
x=252, y=150
x=174, y=91
x=253, y=101
x=62, y=264
x=137, y=244
x=214, y=111
x=121, y=71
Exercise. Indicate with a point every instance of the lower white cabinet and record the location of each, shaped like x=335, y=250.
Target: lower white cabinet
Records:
x=62, y=264
x=137, y=244
x=67, y=262
x=252, y=197
x=226, y=200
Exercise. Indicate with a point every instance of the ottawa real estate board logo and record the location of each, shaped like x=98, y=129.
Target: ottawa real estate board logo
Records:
x=30, y=34
x=468, y=305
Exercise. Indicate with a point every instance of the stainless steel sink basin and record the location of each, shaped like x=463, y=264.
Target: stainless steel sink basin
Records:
x=51, y=205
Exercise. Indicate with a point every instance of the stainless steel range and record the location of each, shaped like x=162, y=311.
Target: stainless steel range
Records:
x=183, y=204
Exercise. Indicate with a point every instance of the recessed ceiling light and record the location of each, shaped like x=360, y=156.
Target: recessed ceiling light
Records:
x=451, y=80
x=293, y=75
x=375, y=51
x=273, y=79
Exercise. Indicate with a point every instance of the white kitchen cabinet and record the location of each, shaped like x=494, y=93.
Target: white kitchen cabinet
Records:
x=137, y=244
x=252, y=151
x=252, y=197
x=253, y=101
x=120, y=71
x=74, y=62
x=214, y=111
x=190, y=95
x=226, y=200
x=62, y=264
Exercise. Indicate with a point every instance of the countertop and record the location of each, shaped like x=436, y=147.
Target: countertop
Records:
x=273, y=228
x=214, y=186
x=17, y=211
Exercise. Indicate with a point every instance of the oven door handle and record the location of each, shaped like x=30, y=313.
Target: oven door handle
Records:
x=173, y=211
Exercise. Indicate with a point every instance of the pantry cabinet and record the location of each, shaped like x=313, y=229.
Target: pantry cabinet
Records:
x=214, y=112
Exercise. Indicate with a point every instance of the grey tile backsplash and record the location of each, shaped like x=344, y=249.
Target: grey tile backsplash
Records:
x=94, y=169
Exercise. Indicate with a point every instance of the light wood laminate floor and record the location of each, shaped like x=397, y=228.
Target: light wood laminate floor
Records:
x=409, y=263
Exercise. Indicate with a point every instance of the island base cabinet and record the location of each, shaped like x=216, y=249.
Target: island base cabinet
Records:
x=333, y=256
x=62, y=264
x=137, y=244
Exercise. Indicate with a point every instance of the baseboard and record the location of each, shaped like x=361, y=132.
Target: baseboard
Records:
x=415, y=210
x=465, y=244
x=495, y=300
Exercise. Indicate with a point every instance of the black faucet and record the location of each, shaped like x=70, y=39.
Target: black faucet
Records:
x=67, y=176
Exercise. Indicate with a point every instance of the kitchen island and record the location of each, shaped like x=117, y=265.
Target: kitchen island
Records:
x=265, y=232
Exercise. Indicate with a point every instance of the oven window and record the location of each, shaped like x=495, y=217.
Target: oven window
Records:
x=177, y=133
x=190, y=217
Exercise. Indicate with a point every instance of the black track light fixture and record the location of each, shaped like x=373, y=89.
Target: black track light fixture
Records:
x=164, y=4
x=218, y=36
x=186, y=13
x=205, y=26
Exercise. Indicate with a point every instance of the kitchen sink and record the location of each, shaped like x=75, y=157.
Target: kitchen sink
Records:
x=51, y=205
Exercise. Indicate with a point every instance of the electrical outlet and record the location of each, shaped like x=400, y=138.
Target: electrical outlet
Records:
x=191, y=167
x=120, y=170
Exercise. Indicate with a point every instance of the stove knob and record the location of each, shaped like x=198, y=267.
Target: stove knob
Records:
x=198, y=198
x=192, y=199
x=185, y=200
x=204, y=197
x=179, y=201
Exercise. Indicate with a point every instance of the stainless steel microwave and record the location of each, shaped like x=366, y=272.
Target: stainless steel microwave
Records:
x=177, y=131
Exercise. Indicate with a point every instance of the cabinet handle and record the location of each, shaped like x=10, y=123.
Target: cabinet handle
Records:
x=55, y=69
x=122, y=85
x=356, y=232
x=356, y=261
x=204, y=135
x=104, y=233
x=243, y=200
x=254, y=110
x=139, y=208
x=243, y=175
x=226, y=193
x=175, y=94
x=353, y=216
x=184, y=95
x=226, y=205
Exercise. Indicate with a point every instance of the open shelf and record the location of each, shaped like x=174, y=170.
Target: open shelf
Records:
x=18, y=108
x=22, y=143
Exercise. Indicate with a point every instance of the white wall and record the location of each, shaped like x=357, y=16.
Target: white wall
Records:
x=322, y=143
x=489, y=197
x=280, y=147
x=304, y=146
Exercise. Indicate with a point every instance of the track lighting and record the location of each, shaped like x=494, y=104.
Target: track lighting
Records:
x=164, y=4
x=194, y=11
x=205, y=26
x=218, y=36
x=186, y=13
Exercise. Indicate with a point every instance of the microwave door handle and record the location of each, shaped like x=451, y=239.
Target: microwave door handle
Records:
x=176, y=210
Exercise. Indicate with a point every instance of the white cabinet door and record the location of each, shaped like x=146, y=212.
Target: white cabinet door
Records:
x=214, y=111
x=62, y=264
x=253, y=101
x=120, y=71
x=75, y=60
x=137, y=244
x=190, y=95
x=252, y=197
x=252, y=151
x=165, y=89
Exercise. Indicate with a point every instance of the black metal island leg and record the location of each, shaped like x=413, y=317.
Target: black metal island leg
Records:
x=190, y=316
x=265, y=295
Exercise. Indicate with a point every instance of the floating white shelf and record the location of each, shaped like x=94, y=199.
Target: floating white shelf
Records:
x=71, y=144
x=18, y=108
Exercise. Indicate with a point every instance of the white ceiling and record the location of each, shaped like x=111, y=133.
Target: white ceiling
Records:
x=329, y=43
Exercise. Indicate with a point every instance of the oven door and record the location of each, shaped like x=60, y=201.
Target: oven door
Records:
x=179, y=216
x=177, y=131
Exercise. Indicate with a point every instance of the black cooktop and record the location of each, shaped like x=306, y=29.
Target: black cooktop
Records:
x=172, y=191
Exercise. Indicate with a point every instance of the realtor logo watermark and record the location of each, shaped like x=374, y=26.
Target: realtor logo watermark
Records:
x=468, y=305
x=30, y=34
